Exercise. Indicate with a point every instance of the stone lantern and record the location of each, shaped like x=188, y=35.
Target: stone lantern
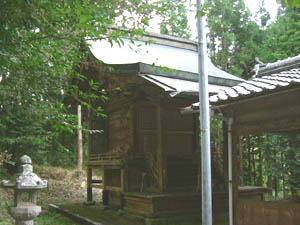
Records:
x=25, y=185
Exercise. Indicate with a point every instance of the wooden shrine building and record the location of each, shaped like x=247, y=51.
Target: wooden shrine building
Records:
x=149, y=152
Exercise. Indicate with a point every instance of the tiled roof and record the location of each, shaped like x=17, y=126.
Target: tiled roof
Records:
x=275, y=81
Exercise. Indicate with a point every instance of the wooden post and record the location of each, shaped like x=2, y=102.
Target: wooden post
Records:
x=89, y=171
x=160, y=152
x=225, y=150
x=235, y=178
x=124, y=179
x=241, y=161
x=89, y=185
x=104, y=192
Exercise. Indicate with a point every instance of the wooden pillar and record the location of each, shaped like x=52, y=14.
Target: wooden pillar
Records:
x=104, y=192
x=235, y=177
x=160, y=152
x=225, y=151
x=199, y=169
x=89, y=170
x=241, y=161
x=135, y=127
x=124, y=179
x=89, y=185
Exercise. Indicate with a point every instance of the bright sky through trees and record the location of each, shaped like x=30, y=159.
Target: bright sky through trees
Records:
x=253, y=5
x=271, y=6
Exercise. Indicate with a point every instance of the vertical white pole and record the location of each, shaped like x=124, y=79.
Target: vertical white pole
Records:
x=204, y=119
x=79, y=144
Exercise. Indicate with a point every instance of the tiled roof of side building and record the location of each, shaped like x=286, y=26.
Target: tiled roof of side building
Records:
x=271, y=78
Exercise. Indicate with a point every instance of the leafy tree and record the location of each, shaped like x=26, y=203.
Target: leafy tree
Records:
x=234, y=42
x=262, y=15
x=232, y=36
x=174, y=21
x=289, y=3
x=282, y=37
x=42, y=49
x=276, y=156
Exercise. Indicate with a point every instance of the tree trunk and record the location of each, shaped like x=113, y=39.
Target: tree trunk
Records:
x=283, y=187
x=276, y=186
x=268, y=160
x=249, y=160
x=293, y=190
x=283, y=170
x=260, y=172
x=275, y=179
x=79, y=146
x=290, y=182
x=253, y=153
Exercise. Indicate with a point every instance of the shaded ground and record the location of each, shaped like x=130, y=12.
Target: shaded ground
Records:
x=65, y=189
x=98, y=213
x=101, y=215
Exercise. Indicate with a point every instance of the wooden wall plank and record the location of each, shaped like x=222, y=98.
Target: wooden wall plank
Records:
x=268, y=126
x=225, y=150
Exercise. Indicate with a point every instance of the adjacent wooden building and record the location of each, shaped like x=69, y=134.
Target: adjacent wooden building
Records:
x=268, y=103
x=149, y=152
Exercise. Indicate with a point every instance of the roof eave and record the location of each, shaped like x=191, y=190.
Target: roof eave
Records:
x=254, y=96
x=183, y=75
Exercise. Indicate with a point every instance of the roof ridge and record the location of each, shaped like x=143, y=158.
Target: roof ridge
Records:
x=278, y=66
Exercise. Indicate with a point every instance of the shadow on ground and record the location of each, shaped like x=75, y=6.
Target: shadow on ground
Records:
x=105, y=216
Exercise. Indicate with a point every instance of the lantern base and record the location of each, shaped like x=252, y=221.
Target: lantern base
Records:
x=24, y=213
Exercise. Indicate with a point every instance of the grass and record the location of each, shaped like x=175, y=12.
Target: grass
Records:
x=47, y=218
x=106, y=216
x=52, y=218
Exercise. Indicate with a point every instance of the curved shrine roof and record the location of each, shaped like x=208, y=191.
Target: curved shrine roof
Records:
x=174, y=53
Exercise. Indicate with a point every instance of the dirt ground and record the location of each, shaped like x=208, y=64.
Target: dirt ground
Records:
x=63, y=187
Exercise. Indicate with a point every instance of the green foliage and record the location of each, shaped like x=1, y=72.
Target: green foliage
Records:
x=281, y=38
x=289, y=3
x=233, y=36
x=280, y=162
x=174, y=20
x=262, y=15
x=43, y=50
x=235, y=39
x=234, y=42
